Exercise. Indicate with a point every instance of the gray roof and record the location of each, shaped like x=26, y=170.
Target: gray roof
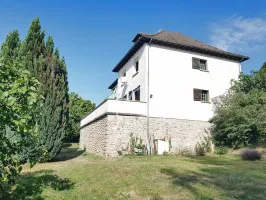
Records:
x=178, y=41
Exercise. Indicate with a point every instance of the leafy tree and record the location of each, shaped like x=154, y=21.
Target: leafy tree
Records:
x=40, y=58
x=19, y=98
x=240, y=120
x=249, y=82
x=240, y=115
x=78, y=109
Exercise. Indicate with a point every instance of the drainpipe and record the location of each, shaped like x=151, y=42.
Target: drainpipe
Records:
x=148, y=103
x=240, y=70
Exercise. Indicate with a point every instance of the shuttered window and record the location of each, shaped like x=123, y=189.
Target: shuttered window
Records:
x=199, y=64
x=201, y=95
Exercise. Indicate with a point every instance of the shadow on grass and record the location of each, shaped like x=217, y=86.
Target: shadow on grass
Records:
x=30, y=185
x=65, y=145
x=68, y=152
x=245, y=182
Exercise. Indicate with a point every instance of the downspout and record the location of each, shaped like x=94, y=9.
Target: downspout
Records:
x=240, y=70
x=148, y=103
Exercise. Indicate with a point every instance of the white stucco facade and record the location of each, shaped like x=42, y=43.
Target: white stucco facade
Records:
x=133, y=78
x=172, y=80
x=171, y=83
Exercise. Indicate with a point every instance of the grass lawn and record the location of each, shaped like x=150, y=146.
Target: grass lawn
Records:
x=77, y=175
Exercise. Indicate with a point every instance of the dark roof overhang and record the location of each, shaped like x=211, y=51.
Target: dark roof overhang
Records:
x=113, y=84
x=137, y=45
x=226, y=55
x=140, y=39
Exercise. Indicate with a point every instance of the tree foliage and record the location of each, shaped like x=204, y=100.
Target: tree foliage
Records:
x=249, y=82
x=19, y=98
x=78, y=109
x=10, y=48
x=39, y=57
x=240, y=114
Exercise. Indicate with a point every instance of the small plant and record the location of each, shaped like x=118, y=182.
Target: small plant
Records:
x=250, y=154
x=203, y=147
x=136, y=145
x=170, y=143
x=220, y=150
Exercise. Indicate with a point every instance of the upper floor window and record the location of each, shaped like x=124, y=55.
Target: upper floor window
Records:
x=130, y=95
x=199, y=64
x=124, y=73
x=136, y=66
x=137, y=94
x=201, y=95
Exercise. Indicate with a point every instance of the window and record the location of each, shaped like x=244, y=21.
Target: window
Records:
x=204, y=96
x=201, y=95
x=130, y=95
x=199, y=64
x=124, y=73
x=137, y=94
x=203, y=65
x=137, y=66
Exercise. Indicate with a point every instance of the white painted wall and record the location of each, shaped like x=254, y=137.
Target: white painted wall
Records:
x=172, y=80
x=116, y=106
x=134, y=80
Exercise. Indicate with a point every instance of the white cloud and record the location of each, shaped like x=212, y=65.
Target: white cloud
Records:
x=239, y=34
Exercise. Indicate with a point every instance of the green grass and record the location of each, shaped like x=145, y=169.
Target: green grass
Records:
x=77, y=175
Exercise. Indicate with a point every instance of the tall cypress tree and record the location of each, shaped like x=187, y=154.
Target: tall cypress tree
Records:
x=45, y=64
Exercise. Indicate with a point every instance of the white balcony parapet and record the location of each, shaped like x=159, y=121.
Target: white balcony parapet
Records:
x=119, y=107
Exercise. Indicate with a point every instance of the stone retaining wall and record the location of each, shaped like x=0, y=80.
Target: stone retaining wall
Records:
x=111, y=133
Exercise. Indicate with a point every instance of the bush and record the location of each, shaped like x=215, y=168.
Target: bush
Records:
x=250, y=154
x=203, y=147
x=221, y=150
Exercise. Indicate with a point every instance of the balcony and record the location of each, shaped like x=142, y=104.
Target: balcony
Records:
x=113, y=106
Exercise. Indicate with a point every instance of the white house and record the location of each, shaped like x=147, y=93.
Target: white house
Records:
x=163, y=92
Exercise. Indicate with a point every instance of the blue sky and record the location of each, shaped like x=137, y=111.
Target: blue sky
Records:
x=94, y=35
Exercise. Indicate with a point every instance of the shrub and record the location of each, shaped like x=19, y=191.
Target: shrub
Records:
x=220, y=150
x=250, y=154
x=203, y=147
x=136, y=145
x=185, y=152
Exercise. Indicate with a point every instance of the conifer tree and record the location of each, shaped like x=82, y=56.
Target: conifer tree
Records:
x=10, y=48
x=45, y=64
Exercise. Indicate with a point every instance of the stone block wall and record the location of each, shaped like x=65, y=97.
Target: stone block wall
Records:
x=111, y=134
x=93, y=137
